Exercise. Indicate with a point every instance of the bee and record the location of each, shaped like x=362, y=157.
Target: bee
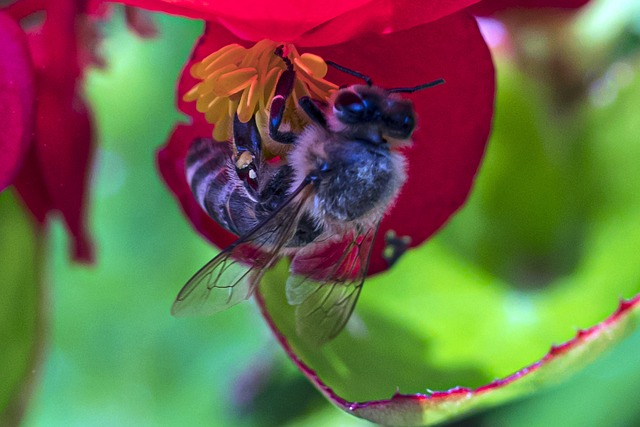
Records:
x=322, y=206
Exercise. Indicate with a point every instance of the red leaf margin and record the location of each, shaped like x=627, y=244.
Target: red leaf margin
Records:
x=410, y=409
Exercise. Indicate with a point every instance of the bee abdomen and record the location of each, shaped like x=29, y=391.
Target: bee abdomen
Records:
x=214, y=181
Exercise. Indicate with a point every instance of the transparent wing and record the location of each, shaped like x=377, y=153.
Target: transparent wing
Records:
x=221, y=283
x=325, y=284
x=230, y=277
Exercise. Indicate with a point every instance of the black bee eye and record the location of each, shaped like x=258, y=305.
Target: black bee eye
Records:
x=349, y=106
x=401, y=124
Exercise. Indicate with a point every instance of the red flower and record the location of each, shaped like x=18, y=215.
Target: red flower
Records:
x=379, y=39
x=47, y=146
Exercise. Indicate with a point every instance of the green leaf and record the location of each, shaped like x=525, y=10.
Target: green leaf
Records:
x=20, y=329
x=379, y=357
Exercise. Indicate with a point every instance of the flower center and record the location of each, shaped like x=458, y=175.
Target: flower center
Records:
x=237, y=80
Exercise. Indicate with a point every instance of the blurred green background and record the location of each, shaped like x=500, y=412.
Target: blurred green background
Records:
x=552, y=225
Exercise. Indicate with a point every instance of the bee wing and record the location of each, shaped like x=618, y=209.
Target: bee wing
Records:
x=231, y=276
x=327, y=286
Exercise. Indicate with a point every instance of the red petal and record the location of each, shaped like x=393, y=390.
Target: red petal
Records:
x=32, y=188
x=171, y=162
x=63, y=138
x=379, y=17
x=455, y=118
x=281, y=20
x=64, y=148
x=489, y=7
x=309, y=23
x=16, y=99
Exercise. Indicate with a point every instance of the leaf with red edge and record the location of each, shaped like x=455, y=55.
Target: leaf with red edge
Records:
x=311, y=23
x=401, y=409
x=16, y=99
x=454, y=119
x=439, y=319
x=561, y=361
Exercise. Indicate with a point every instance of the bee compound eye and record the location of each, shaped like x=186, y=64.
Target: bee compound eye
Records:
x=408, y=123
x=400, y=121
x=350, y=105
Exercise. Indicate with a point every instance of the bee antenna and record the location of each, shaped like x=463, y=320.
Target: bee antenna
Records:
x=351, y=72
x=416, y=88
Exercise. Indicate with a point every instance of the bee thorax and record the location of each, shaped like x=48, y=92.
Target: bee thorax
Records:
x=358, y=178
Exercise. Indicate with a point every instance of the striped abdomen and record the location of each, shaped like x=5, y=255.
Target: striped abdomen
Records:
x=214, y=181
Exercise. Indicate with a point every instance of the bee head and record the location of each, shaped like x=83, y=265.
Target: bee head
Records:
x=367, y=106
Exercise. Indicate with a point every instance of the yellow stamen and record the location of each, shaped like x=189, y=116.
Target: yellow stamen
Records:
x=236, y=80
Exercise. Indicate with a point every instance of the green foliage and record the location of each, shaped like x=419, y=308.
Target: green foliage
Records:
x=20, y=307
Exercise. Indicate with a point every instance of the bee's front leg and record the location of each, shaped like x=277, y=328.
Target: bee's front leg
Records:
x=284, y=87
x=246, y=137
x=313, y=109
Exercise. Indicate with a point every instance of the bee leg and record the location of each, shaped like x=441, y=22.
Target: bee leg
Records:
x=313, y=109
x=284, y=87
x=246, y=136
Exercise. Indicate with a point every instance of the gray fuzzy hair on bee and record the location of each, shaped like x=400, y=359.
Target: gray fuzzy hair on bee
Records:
x=322, y=206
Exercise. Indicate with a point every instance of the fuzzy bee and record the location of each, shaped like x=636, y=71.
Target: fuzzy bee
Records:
x=322, y=206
